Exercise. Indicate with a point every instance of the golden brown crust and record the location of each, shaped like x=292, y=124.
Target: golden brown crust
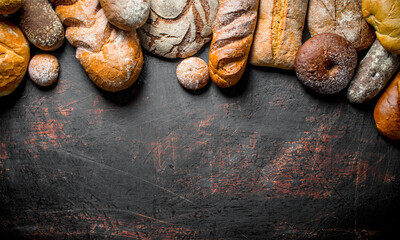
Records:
x=232, y=38
x=14, y=52
x=343, y=18
x=387, y=111
x=111, y=57
x=279, y=33
x=9, y=6
x=384, y=16
x=43, y=69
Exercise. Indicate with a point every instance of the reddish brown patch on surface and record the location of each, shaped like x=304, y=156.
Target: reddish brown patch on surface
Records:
x=164, y=152
x=46, y=133
x=67, y=109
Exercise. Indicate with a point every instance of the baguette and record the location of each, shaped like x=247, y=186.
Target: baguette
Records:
x=279, y=33
x=111, y=57
x=372, y=74
x=343, y=18
x=232, y=38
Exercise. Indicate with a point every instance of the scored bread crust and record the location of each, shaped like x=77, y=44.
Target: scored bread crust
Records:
x=111, y=57
x=14, y=57
x=178, y=28
x=232, y=38
x=279, y=33
x=387, y=111
x=343, y=18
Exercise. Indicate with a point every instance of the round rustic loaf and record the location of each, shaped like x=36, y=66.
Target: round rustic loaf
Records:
x=14, y=52
x=43, y=69
x=326, y=63
x=41, y=25
x=128, y=14
x=192, y=73
x=9, y=6
x=387, y=111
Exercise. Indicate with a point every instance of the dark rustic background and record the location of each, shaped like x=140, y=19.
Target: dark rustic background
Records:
x=266, y=159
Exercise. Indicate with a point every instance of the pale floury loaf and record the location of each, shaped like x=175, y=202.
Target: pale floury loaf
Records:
x=178, y=28
x=343, y=18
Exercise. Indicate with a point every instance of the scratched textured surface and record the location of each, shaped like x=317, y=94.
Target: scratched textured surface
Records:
x=266, y=159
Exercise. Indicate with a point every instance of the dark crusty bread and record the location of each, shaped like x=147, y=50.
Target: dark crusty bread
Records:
x=232, y=38
x=372, y=74
x=40, y=24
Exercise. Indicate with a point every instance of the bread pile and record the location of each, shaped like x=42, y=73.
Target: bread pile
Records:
x=109, y=34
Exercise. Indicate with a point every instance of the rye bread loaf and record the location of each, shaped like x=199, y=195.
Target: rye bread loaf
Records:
x=40, y=24
x=9, y=6
x=343, y=18
x=111, y=57
x=232, y=38
x=128, y=14
x=14, y=57
x=372, y=74
x=279, y=33
x=178, y=28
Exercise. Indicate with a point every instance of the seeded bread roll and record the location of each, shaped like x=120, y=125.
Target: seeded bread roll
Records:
x=14, y=57
x=372, y=74
x=111, y=57
x=343, y=18
x=387, y=111
x=127, y=14
x=178, y=28
x=279, y=32
x=9, y=6
x=41, y=25
x=384, y=16
x=232, y=38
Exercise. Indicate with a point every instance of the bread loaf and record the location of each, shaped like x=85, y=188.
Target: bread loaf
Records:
x=387, y=111
x=384, y=16
x=343, y=18
x=40, y=24
x=14, y=57
x=128, y=14
x=112, y=57
x=9, y=6
x=232, y=38
x=178, y=28
x=372, y=74
x=279, y=32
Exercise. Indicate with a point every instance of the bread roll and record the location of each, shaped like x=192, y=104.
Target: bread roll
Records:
x=9, y=6
x=372, y=74
x=128, y=14
x=232, y=38
x=384, y=16
x=387, y=111
x=41, y=25
x=343, y=18
x=14, y=52
x=279, y=32
x=192, y=73
x=43, y=69
x=178, y=28
x=112, y=57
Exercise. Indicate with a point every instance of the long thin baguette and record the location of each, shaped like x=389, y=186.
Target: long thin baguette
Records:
x=279, y=33
x=232, y=38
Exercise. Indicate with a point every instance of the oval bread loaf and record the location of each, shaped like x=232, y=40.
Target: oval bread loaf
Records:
x=9, y=6
x=14, y=57
x=128, y=14
x=372, y=74
x=111, y=57
x=387, y=111
x=232, y=38
x=40, y=24
x=178, y=28
x=343, y=18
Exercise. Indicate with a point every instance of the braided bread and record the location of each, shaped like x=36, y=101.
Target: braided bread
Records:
x=232, y=38
x=112, y=58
